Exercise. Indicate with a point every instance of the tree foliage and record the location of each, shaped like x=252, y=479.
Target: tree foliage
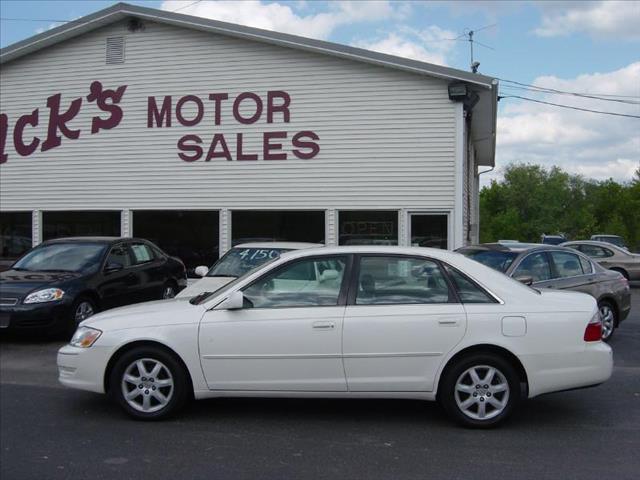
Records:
x=531, y=200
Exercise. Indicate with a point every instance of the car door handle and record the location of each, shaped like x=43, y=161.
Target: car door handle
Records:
x=323, y=325
x=449, y=322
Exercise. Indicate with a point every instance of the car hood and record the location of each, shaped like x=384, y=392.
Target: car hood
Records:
x=148, y=314
x=19, y=282
x=205, y=284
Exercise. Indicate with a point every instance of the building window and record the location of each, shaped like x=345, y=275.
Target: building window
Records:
x=80, y=224
x=277, y=226
x=429, y=231
x=15, y=234
x=368, y=227
x=192, y=236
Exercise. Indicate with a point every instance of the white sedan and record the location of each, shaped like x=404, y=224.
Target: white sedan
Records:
x=383, y=322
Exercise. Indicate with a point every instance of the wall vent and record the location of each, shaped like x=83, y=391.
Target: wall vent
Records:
x=115, y=50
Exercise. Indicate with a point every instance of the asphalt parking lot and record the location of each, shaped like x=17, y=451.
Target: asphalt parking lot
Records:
x=49, y=432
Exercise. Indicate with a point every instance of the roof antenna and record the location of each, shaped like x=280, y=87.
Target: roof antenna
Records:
x=469, y=34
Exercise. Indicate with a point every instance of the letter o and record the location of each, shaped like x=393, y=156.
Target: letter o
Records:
x=200, y=110
x=236, y=108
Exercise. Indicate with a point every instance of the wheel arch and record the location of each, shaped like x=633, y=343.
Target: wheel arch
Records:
x=91, y=294
x=127, y=347
x=492, y=349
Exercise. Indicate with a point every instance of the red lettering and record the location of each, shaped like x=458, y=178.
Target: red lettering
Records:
x=194, y=148
x=217, y=98
x=218, y=138
x=58, y=121
x=4, y=131
x=267, y=146
x=199, y=111
x=100, y=97
x=239, y=153
x=162, y=117
x=299, y=142
x=18, y=130
x=236, y=108
x=283, y=107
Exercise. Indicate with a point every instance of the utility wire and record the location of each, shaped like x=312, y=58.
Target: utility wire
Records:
x=186, y=6
x=569, y=106
x=597, y=96
x=514, y=89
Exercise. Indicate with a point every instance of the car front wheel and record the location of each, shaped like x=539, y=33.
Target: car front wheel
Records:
x=149, y=383
x=480, y=390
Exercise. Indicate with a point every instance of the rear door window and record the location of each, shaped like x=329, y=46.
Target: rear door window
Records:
x=566, y=264
x=141, y=253
x=536, y=266
x=120, y=254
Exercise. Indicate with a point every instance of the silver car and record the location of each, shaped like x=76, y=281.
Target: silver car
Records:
x=549, y=266
x=610, y=256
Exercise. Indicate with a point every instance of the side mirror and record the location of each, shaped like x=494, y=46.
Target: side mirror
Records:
x=527, y=280
x=113, y=267
x=201, y=271
x=328, y=275
x=235, y=301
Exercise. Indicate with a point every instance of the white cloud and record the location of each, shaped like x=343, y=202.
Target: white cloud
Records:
x=282, y=18
x=597, y=146
x=428, y=45
x=616, y=19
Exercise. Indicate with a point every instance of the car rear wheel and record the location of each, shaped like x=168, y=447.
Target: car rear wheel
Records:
x=609, y=320
x=480, y=390
x=149, y=383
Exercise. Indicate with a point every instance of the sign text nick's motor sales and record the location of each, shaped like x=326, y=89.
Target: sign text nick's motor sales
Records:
x=164, y=112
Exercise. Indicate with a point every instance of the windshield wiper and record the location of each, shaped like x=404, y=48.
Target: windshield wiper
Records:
x=199, y=298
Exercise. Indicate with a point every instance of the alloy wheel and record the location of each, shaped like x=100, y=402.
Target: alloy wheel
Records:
x=83, y=311
x=147, y=385
x=608, y=320
x=168, y=292
x=482, y=392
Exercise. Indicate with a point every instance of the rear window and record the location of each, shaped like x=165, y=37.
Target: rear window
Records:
x=498, y=260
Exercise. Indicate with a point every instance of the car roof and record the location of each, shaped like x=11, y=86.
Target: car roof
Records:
x=105, y=240
x=508, y=246
x=283, y=245
x=605, y=236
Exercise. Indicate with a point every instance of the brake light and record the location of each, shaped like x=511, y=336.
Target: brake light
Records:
x=593, y=332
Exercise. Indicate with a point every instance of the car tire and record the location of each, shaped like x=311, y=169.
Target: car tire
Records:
x=83, y=308
x=609, y=319
x=149, y=383
x=169, y=290
x=480, y=390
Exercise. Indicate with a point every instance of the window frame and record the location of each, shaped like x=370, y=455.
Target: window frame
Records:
x=344, y=287
x=355, y=274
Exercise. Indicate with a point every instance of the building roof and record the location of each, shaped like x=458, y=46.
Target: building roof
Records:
x=482, y=131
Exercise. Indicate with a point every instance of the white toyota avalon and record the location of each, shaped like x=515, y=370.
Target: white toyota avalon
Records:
x=372, y=322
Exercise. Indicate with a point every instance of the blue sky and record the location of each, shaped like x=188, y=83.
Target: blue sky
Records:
x=576, y=46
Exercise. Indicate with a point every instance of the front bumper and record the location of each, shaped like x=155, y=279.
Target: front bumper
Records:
x=35, y=316
x=83, y=368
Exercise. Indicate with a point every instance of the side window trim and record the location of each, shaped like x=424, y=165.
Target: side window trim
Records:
x=344, y=287
x=355, y=274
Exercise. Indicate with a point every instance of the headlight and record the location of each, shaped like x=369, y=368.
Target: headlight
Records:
x=85, y=337
x=46, y=295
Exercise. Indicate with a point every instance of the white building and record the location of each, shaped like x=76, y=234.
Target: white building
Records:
x=198, y=134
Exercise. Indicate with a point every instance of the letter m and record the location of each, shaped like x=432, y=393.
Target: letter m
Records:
x=161, y=118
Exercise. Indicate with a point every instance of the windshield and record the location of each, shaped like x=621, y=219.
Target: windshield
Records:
x=238, y=261
x=62, y=257
x=498, y=260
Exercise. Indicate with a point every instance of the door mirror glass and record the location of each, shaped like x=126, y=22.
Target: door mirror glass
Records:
x=113, y=267
x=201, y=271
x=526, y=279
x=235, y=301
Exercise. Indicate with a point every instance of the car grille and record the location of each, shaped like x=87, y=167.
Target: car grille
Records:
x=8, y=301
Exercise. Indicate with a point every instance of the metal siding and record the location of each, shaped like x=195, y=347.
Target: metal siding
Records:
x=387, y=138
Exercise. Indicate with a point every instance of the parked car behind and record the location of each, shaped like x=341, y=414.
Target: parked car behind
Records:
x=238, y=261
x=616, y=240
x=58, y=284
x=378, y=322
x=546, y=266
x=610, y=256
x=552, y=239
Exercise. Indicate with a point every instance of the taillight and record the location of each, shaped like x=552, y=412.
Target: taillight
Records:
x=593, y=332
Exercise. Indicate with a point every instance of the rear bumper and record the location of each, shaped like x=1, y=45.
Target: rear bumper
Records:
x=559, y=372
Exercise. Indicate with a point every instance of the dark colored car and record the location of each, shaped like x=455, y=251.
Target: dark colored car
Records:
x=59, y=283
x=547, y=266
x=553, y=239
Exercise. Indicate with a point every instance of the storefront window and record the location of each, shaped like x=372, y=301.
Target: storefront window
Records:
x=15, y=234
x=277, y=226
x=429, y=231
x=80, y=224
x=368, y=227
x=192, y=236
